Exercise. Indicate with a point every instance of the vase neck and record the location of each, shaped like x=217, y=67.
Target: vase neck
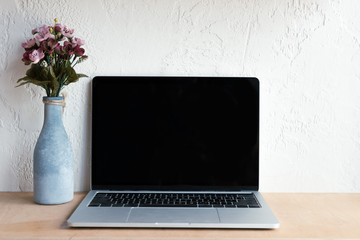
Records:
x=53, y=109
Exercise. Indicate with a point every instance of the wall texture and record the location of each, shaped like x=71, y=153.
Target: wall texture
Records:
x=305, y=53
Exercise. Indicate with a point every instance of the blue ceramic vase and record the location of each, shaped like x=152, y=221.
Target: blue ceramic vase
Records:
x=53, y=158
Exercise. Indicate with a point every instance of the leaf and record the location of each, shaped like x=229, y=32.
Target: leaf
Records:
x=22, y=79
x=54, y=85
x=51, y=72
x=26, y=79
x=33, y=71
x=80, y=75
x=72, y=76
x=33, y=81
x=44, y=73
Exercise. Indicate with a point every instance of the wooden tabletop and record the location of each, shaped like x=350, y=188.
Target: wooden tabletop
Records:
x=309, y=216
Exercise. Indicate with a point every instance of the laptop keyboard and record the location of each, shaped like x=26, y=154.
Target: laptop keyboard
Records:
x=175, y=200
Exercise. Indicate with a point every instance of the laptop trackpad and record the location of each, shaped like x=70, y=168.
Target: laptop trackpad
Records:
x=172, y=215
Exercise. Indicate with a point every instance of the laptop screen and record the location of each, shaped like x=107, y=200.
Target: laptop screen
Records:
x=175, y=133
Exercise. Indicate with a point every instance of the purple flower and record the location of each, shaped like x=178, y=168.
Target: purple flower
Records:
x=36, y=30
x=29, y=44
x=69, y=50
x=59, y=50
x=49, y=45
x=79, y=51
x=42, y=34
x=36, y=55
x=77, y=42
x=52, y=43
x=67, y=32
x=58, y=28
x=26, y=58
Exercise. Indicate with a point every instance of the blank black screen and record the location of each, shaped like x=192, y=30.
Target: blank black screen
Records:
x=175, y=133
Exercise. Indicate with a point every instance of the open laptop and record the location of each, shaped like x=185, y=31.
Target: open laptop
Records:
x=178, y=152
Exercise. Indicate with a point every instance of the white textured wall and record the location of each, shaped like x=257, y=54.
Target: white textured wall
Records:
x=305, y=53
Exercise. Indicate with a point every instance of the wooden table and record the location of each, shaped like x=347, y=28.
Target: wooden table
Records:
x=314, y=216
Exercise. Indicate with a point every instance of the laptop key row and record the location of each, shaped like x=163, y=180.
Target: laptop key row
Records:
x=174, y=200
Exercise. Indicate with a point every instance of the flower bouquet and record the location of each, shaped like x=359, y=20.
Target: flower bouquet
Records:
x=53, y=53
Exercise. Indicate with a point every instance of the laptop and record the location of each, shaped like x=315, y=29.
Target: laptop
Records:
x=174, y=152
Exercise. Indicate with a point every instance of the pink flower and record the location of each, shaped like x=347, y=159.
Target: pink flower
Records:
x=79, y=51
x=36, y=30
x=29, y=44
x=59, y=50
x=67, y=32
x=84, y=57
x=26, y=58
x=42, y=33
x=68, y=48
x=49, y=45
x=36, y=55
x=58, y=28
x=44, y=28
x=77, y=42
x=41, y=37
x=52, y=43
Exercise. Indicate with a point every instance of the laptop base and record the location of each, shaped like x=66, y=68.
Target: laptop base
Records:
x=162, y=217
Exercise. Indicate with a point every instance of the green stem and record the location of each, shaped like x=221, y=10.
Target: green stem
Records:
x=62, y=81
x=74, y=61
x=47, y=91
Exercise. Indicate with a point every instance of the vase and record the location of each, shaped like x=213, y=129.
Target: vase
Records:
x=53, y=157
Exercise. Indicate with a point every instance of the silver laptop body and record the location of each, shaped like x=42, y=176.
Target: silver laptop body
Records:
x=188, y=143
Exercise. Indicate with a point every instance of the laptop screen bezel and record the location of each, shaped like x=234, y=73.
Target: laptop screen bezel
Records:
x=106, y=79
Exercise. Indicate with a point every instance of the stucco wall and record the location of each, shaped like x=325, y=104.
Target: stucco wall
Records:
x=305, y=53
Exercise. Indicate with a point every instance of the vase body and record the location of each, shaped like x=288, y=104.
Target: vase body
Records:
x=53, y=158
